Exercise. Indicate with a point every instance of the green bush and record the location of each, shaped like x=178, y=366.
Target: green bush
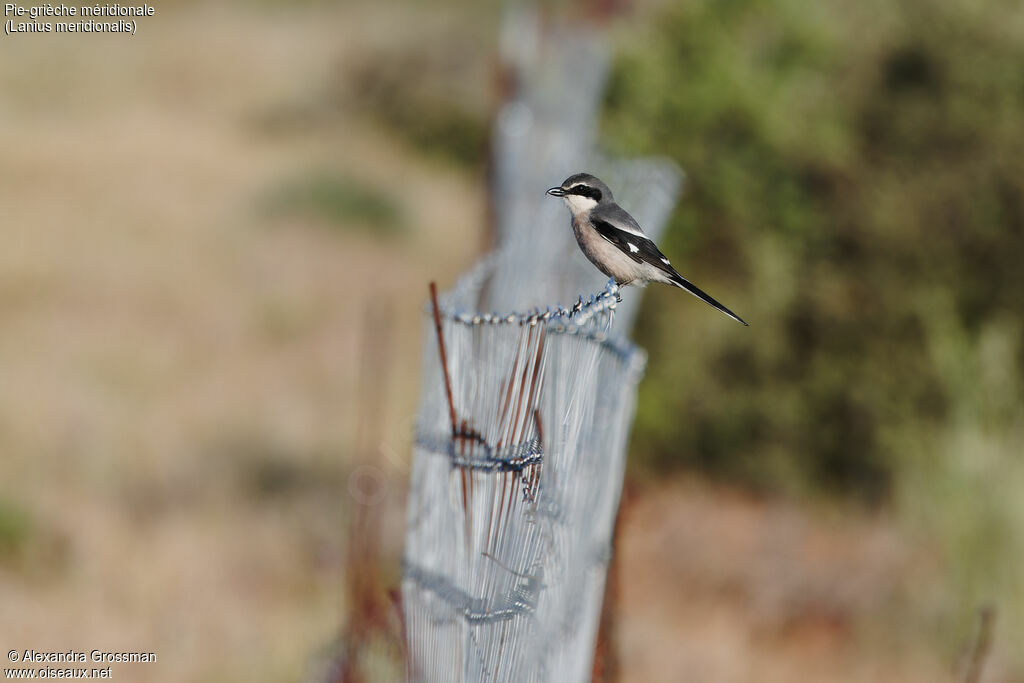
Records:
x=854, y=191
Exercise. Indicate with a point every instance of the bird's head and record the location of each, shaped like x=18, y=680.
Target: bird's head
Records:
x=582, y=192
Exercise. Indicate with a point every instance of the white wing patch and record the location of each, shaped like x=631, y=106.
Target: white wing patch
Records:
x=664, y=260
x=629, y=229
x=632, y=247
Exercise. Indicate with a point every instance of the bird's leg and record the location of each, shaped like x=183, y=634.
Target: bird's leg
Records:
x=618, y=290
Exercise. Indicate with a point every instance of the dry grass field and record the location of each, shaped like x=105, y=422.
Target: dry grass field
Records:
x=178, y=361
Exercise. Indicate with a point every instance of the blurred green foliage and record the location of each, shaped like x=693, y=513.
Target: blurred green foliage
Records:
x=15, y=531
x=336, y=200
x=856, y=192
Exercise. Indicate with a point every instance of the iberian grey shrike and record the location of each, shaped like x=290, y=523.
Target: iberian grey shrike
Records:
x=614, y=242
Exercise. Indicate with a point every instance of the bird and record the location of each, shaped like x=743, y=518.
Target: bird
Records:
x=614, y=241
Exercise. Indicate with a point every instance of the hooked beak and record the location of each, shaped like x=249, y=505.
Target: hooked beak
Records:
x=556, y=192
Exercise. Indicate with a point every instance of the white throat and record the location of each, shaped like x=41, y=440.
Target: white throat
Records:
x=578, y=204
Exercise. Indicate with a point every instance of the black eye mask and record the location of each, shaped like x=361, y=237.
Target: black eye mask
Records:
x=585, y=191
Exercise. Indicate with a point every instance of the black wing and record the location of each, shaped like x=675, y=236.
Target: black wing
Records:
x=635, y=245
x=641, y=249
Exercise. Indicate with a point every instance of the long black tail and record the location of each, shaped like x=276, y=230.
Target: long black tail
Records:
x=681, y=282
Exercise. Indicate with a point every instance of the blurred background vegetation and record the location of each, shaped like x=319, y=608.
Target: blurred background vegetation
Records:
x=831, y=492
x=856, y=172
x=856, y=191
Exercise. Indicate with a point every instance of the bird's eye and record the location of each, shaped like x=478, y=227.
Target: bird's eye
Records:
x=586, y=191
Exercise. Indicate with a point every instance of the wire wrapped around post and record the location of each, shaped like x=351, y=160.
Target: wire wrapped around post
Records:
x=511, y=511
x=524, y=417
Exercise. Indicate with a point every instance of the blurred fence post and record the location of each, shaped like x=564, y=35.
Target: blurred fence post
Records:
x=524, y=417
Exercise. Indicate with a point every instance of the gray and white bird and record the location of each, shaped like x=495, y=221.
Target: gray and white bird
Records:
x=614, y=242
